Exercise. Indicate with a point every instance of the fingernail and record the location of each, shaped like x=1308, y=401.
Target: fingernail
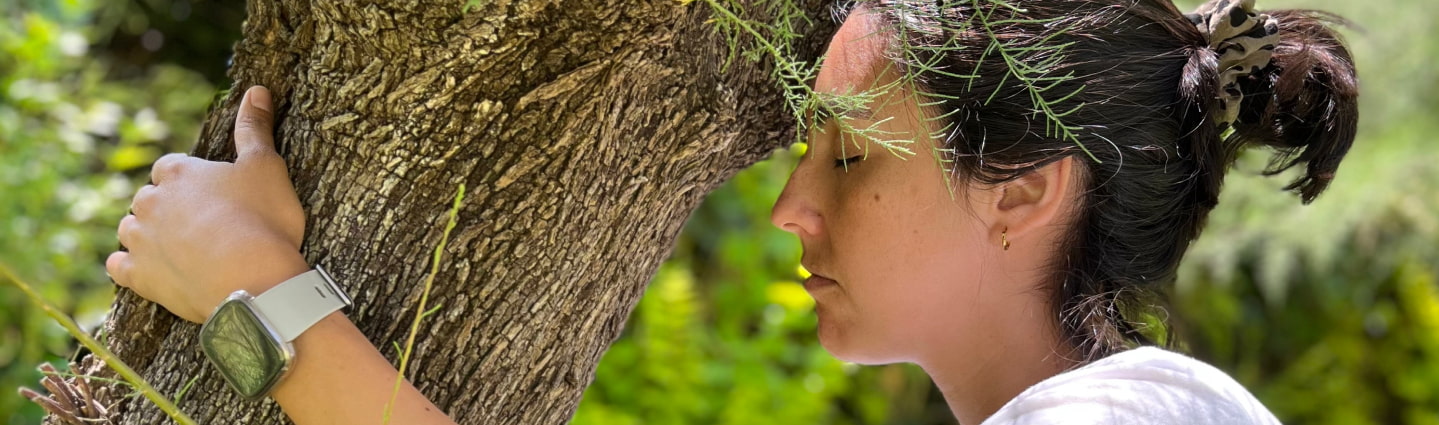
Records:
x=259, y=96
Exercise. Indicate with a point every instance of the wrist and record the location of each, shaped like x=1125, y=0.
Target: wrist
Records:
x=268, y=274
x=255, y=275
x=252, y=338
x=318, y=343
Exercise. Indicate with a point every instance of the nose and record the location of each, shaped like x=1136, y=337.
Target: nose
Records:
x=796, y=211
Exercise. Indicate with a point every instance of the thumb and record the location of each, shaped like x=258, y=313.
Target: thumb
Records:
x=254, y=126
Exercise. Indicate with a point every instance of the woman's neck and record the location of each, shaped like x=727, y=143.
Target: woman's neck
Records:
x=977, y=380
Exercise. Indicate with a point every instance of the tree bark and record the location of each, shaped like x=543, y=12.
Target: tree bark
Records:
x=587, y=132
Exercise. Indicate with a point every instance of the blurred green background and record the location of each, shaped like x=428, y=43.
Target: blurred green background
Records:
x=1329, y=313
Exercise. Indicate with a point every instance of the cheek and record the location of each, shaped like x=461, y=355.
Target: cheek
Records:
x=915, y=263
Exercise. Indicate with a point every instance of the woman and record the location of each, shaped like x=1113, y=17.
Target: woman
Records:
x=1006, y=257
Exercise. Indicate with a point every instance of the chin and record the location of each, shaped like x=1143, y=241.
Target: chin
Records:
x=847, y=344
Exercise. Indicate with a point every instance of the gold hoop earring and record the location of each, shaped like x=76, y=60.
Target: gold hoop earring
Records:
x=1004, y=238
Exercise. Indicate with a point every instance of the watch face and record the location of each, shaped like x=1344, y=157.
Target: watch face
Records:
x=244, y=350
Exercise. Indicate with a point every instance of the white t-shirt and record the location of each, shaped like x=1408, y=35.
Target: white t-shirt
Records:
x=1145, y=385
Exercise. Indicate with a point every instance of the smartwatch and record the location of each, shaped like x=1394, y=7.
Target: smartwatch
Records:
x=250, y=339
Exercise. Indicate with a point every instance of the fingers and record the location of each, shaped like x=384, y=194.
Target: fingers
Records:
x=254, y=139
x=119, y=266
x=254, y=127
x=168, y=167
x=129, y=226
x=144, y=200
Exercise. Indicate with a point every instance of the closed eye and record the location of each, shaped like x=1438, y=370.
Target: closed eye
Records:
x=845, y=163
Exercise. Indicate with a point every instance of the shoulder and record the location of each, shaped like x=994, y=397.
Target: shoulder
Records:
x=1141, y=386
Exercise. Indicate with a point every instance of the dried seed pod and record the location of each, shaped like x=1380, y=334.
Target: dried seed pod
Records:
x=72, y=400
x=51, y=406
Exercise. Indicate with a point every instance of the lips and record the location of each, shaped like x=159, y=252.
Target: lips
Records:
x=817, y=279
x=817, y=282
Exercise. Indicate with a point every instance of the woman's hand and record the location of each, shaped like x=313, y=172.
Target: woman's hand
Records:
x=204, y=229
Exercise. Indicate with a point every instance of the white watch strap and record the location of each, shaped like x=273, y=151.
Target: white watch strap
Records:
x=295, y=305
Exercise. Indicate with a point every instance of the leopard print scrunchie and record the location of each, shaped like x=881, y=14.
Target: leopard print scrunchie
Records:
x=1245, y=43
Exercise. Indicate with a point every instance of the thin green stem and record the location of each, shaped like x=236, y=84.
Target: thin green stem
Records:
x=180, y=396
x=1054, y=125
x=793, y=77
x=99, y=350
x=420, y=312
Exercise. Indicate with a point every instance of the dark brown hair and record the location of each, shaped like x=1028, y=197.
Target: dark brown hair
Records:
x=1149, y=85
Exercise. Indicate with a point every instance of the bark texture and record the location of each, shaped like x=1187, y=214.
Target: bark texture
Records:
x=587, y=131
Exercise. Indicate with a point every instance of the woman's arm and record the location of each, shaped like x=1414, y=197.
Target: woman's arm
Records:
x=339, y=378
x=204, y=229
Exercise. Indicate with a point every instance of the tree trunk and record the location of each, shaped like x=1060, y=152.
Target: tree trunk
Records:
x=587, y=132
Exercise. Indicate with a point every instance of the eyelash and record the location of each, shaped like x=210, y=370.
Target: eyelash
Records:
x=842, y=163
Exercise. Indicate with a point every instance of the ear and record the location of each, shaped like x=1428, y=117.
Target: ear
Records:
x=1035, y=199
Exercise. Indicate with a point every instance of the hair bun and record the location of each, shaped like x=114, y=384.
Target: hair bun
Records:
x=1305, y=104
x=1244, y=42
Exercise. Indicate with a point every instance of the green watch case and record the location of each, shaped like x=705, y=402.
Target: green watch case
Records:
x=245, y=347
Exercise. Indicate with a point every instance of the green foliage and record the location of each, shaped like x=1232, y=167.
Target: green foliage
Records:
x=770, y=41
x=472, y=4
x=1037, y=76
x=1032, y=64
x=1360, y=352
x=74, y=142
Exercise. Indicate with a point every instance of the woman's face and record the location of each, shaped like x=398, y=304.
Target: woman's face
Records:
x=899, y=260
